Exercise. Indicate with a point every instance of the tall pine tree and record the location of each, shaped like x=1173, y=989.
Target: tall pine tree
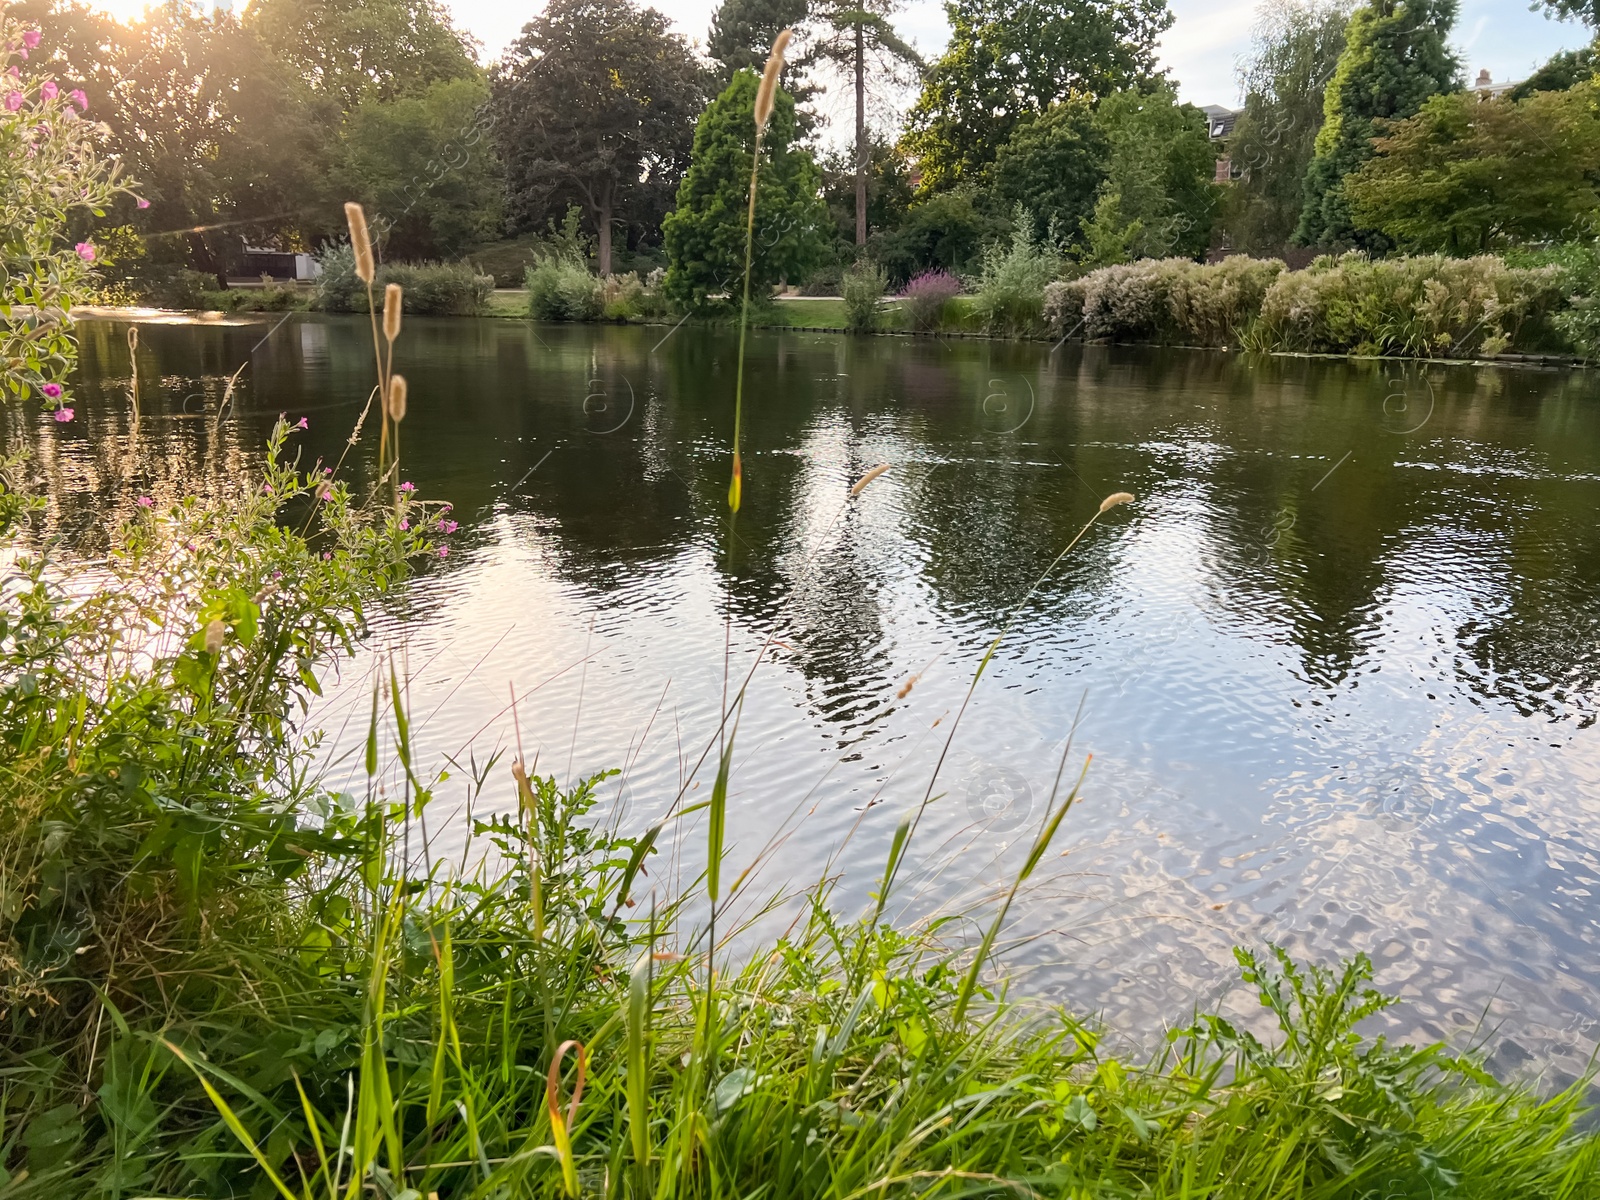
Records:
x=1395, y=57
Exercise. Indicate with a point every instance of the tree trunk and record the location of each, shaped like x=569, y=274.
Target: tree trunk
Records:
x=603, y=228
x=862, y=154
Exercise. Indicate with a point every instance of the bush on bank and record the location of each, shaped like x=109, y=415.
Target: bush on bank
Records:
x=432, y=289
x=1420, y=306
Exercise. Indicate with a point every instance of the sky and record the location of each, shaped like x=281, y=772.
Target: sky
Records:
x=1200, y=50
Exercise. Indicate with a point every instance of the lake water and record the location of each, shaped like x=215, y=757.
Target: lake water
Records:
x=1338, y=667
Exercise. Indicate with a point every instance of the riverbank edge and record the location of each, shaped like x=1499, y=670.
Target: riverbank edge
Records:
x=246, y=317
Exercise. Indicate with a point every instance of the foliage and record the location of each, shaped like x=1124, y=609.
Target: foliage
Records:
x=742, y=32
x=431, y=289
x=1053, y=165
x=561, y=289
x=1010, y=297
x=890, y=190
x=425, y=169
x=1563, y=70
x=862, y=288
x=1171, y=300
x=1587, y=11
x=945, y=232
x=1294, y=51
x=1005, y=63
x=51, y=171
x=1469, y=173
x=353, y=51
x=1429, y=305
x=705, y=234
x=926, y=298
x=1395, y=57
x=1158, y=196
x=1578, y=322
x=595, y=105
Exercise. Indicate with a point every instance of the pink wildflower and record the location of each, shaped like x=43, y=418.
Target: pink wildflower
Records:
x=86, y=251
x=53, y=390
x=327, y=556
x=267, y=488
x=145, y=502
x=408, y=486
x=77, y=97
x=49, y=90
x=327, y=470
x=63, y=415
x=303, y=423
x=405, y=525
x=447, y=526
x=30, y=38
x=325, y=497
x=14, y=101
x=446, y=508
x=444, y=551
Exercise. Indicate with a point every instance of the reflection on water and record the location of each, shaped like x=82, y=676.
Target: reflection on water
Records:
x=1339, y=666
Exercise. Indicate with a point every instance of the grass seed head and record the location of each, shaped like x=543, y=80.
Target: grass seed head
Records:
x=360, y=241
x=397, y=398
x=861, y=484
x=215, y=632
x=391, y=311
x=1115, y=499
x=767, y=92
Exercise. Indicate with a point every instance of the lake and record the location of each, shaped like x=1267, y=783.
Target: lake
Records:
x=1338, y=667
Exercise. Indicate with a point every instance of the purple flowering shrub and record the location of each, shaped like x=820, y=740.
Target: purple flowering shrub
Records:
x=927, y=296
x=53, y=169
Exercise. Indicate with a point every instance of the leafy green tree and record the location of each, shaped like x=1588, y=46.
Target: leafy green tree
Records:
x=946, y=231
x=1466, y=173
x=1395, y=57
x=1564, y=69
x=1587, y=11
x=426, y=170
x=705, y=234
x=356, y=50
x=1053, y=166
x=1006, y=62
x=1158, y=197
x=1294, y=51
x=595, y=105
x=855, y=35
x=890, y=189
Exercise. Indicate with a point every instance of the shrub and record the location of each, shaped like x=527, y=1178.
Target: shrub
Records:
x=439, y=289
x=1214, y=304
x=862, y=287
x=54, y=172
x=432, y=289
x=1063, y=306
x=1172, y=300
x=653, y=303
x=1411, y=306
x=561, y=289
x=1011, y=294
x=619, y=296
x=824, y=281
x=927, y=297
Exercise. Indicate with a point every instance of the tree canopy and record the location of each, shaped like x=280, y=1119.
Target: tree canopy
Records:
x=742, y=31
x=1466, y=173
x=1007, y=62
x=1395, y=57
x=1052, y=166
x=705, y=234
x=596, y=106
x=1294, y=51
x=355, y=50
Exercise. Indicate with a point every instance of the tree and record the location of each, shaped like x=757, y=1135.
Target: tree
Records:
x=1564, y=69
x=1052, y=167
x=853, y=33
x=1467, y=173
x=356, y=50
x=742, y=33
x=596, y=105
x=1158, y=197
x=426, y=170
x=1294, y=51
x=705, y=234
x=1006, y=62
x=889, y=189
x=946, y=231
x=1587, y=11
x=1395, y=57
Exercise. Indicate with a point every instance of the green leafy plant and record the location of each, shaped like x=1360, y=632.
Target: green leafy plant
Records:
x=1010, y=296
x=862, y=288
x=562, y=289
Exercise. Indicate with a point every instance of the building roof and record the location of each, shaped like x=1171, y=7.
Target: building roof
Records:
x=1219, y=120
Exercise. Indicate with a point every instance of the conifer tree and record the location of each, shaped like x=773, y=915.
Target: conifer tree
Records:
x=1395, y=57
